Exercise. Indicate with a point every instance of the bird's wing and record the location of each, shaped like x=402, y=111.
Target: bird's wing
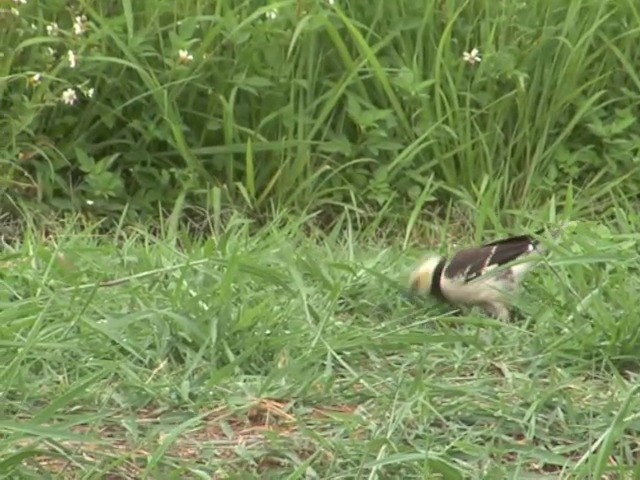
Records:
x=472, y=263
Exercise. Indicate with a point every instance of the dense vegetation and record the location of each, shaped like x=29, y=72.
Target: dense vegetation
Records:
x=210, y=209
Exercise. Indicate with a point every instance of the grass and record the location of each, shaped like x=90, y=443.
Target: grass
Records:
x=285, y=348
x=317, y=101
x=265, y=353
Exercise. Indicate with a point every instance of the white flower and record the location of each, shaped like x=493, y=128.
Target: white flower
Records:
x=80, y=25
x=15, y=12
x=69, y=96
x=89, y=93
x=185, y=56
x=271, y=14
x=52, y=29
x=73, y=60
x=20, y=2
x=89, y=202
x=35, y=79
x=472, y=57
x=331, y=2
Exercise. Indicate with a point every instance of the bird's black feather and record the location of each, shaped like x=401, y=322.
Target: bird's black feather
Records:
x=471, y=263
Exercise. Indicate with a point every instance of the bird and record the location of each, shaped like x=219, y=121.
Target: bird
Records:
x=486, y=276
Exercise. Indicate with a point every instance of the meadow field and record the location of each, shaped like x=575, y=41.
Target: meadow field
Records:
x=210, y=209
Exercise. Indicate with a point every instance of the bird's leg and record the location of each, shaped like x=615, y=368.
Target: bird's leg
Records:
x=498, y=311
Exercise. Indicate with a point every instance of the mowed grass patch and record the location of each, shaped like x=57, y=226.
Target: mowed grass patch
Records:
x=262, y=353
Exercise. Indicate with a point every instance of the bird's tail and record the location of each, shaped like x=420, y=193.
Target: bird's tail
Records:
x=554, y=233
